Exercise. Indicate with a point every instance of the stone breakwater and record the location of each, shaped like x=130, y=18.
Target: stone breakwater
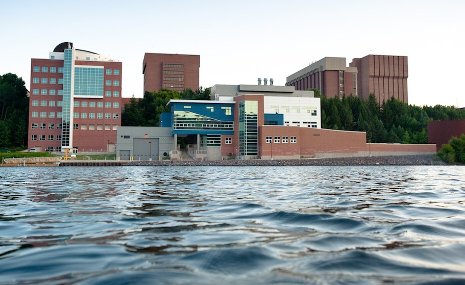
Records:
x=346, y=161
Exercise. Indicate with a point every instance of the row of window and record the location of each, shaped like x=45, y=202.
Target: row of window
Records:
x=46, y=80
x=84, y=104
x=52, y=69
x=110, y=71
x=52, y=126
x=76, y=115
x=280, y=139
x=111, y=83
x=47, y=92
x=43, y=137
x=305, y=124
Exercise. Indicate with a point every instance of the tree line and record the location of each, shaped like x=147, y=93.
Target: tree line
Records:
x=391, y=121
x=14, y=110
x=147, y=110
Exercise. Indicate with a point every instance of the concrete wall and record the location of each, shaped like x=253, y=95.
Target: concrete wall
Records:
x=126, y=136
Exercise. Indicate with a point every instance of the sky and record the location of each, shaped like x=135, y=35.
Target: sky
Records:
x=239, y=41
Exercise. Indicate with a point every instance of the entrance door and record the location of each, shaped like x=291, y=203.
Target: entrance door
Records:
x=124, y=154
x=146, y=149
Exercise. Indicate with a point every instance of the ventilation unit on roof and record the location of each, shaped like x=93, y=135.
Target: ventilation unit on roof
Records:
x=259, y=81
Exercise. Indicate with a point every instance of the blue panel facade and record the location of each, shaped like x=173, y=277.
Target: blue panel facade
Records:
x=166, y=120
x=274, y=119
x=189, y=118
x=88, y=81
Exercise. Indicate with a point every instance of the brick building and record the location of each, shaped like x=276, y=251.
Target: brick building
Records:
x=440, y=132
x=75, y=101
x=170, y=71
x=329, y=75
x=384, y=76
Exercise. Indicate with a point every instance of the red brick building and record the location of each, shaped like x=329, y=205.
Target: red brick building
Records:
x=75, y=101
x=329, y=75
x=170, y=71
x=384, y=76
x=440, y=132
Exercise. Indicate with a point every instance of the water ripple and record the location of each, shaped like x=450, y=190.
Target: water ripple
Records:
x=240, y=225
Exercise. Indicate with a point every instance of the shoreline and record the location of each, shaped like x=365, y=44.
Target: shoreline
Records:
x=343, y=161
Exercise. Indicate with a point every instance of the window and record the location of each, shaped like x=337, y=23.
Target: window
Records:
x=43, y=126
x=36, y=68
x=53, y=80
x=277, y=139
x=227, y=110
x=99, y=104
x=35, y=114
x=51, y=92
x=115, y=115
x=51, y=137
x=91, y=127
x=76, y=115
x=76, y=103
x=84, y=104
x=35, y=102
x=43, y=91
x=107, y=104
x=99, y=128
x=44, y=69
x=108, y=82
x=51, y=115
x=35, y=80
x=314, y=124
x=43, y=103
x=59, y=115
x=108, y=72
x=60, y=92
x=53, y=69
x=212, y=109
x=44, y=80
x=60, y=69
x=92, y=104
x=83, y=115
x=314, y=112
x=107, y=127
x=268, y=140
x=91, y=115
x=107, y=115
x=228, y=140
x=285, y=139
x=293, y=139
x=83, y=127
x=58, y=137
x=43, y=114
x=34, y=137
x=107, y=93
x=34, y=126
x=59, y=103
x=35, y=91
x=116, y=72
x=115, y=93
x=51, y=126
x=99, y=115
x=76, y=126
x=115, y=104
x=60, y=80
x=114, y=127
x=115, y=82
x=42, y=137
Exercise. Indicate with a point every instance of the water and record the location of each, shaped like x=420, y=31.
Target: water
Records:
x=232, y=225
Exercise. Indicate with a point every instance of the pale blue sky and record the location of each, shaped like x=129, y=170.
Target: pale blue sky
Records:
x=239, y=41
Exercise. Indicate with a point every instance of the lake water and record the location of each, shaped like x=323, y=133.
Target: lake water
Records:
x=232, y=225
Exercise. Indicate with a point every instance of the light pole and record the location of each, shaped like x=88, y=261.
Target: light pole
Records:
x=150, y=151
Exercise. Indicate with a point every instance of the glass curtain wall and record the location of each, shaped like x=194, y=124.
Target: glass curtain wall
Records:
x=248, y=128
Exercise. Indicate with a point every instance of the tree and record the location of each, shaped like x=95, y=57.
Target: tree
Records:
x=14, y=106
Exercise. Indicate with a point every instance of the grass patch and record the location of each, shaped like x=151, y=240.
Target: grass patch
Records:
x=20, y=154
x=110, y=156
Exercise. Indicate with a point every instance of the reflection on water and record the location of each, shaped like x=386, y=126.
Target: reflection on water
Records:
x=256, y=225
